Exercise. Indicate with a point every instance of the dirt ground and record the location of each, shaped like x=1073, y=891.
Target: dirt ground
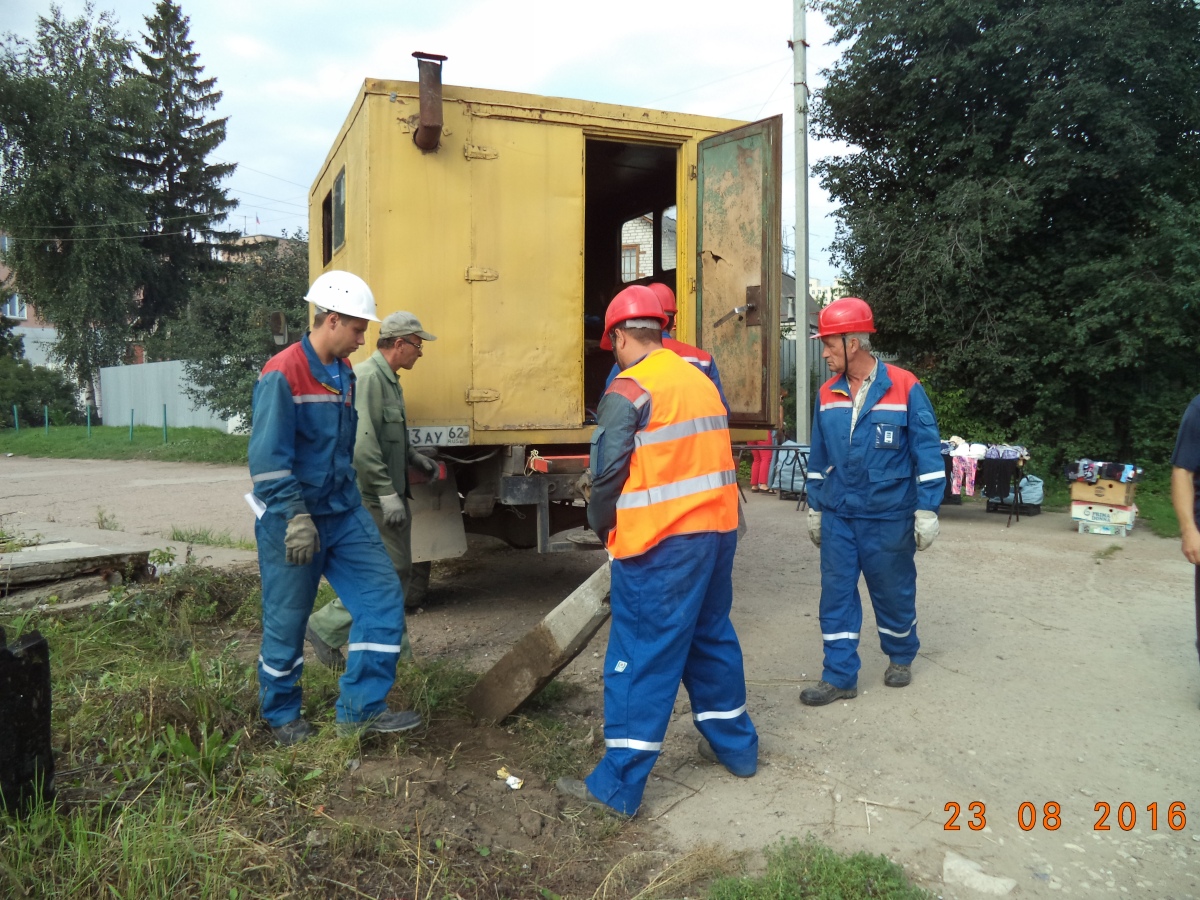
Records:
x=1056, y=668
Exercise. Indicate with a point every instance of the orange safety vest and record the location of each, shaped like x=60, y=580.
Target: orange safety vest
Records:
x=682, y=479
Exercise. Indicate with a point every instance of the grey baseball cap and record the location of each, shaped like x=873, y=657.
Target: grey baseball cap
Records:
x=401, y=323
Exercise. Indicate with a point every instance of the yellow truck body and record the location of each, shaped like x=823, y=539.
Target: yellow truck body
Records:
x=508, y=240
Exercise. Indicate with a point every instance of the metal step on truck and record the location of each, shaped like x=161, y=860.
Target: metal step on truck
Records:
x=506, y=222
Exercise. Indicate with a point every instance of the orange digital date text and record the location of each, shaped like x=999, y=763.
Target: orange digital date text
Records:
x=1050, y=816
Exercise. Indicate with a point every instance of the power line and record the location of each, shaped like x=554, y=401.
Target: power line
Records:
x=711, y=83
x=110, y=237
x=261, y=172
x=115, y=224
x=265, y=197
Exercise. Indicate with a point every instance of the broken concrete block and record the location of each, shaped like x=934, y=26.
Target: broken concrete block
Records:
x=960, y=870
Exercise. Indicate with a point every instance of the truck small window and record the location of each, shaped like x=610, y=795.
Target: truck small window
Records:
x=339, y=210
x=333, y=219
x=667, y=241
x=637, y=248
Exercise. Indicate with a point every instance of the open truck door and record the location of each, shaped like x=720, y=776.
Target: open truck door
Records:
x=739, y=267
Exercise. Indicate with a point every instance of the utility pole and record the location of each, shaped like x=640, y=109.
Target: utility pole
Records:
x=800, y=86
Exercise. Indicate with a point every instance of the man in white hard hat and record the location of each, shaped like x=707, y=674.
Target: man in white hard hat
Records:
x=382, y=456
x=301, y=465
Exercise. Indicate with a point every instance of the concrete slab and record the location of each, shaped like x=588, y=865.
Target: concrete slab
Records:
x=68, y=551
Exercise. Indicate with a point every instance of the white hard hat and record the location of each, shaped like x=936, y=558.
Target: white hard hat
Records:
x=345, y=293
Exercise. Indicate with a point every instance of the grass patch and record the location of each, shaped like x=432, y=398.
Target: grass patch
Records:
x=170, y=786
x=210, y=538
x=808, y=870
x=205, y=445
x=106, y=521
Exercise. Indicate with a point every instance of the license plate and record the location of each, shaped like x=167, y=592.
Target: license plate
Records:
x=439, y=436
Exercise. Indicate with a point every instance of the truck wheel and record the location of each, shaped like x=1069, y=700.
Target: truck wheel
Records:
x=418, y=585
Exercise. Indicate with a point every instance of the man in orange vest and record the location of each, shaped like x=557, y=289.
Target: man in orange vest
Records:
x=875, y=483
x=664, y=500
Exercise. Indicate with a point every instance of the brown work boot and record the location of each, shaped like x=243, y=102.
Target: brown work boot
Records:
x=824, y=692
x=577, y=789
x=897, y=675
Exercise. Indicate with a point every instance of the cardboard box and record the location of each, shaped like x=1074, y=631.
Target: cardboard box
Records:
x=1101, y=528
x=1109, y=493
x=1103, y=513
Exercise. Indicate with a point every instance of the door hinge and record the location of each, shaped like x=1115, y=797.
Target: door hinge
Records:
x=482, y=395
x=691, y=173
x=479, y=273
x=473, y=151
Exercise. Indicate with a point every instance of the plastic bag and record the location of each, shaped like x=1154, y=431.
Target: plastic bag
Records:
x=1033, y=491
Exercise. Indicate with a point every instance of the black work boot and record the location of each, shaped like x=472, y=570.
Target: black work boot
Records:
x=293, y=732
x=824, y=692
x=897, y=675
x=578, y=789
x=329, y=657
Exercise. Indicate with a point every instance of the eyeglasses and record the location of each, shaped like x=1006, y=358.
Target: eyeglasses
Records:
x=417, y=347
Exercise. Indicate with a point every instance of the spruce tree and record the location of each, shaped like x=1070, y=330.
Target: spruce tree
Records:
x=185, y=199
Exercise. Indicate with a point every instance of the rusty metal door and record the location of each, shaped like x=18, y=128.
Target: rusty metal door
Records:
x=739, y=270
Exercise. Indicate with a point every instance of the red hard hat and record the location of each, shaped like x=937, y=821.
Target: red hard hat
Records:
x=666, y=297
x=635, y=302
x=848, y=315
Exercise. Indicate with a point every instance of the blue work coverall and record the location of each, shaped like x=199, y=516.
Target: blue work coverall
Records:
x=868, y=485
x=301, y=454
x=670, y=620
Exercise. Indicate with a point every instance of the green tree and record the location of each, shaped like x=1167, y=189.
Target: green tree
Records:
x=226, y=331
x=70, y=113
x=185, y=200
x=1022, y=206
x=30, y=388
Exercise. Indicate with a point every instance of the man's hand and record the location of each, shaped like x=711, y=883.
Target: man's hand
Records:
x=394, y=512
x=1191, y=546
x=301, y=540
x=814, y=527
x=925, y=528
x=429, y=466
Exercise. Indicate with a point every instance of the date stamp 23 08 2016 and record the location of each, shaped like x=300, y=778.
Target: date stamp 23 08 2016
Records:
x=1050, y=817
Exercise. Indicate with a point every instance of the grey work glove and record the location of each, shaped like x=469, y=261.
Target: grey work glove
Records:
x=925, y=528
x=814, y=526
x=429, y=466
x=301, y=540
x=394, y=512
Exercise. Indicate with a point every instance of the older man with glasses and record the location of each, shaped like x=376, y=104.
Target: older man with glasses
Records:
x=382, y=456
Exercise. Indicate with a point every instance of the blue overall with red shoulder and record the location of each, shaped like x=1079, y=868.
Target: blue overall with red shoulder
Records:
x=867, y=483
x=301, y=461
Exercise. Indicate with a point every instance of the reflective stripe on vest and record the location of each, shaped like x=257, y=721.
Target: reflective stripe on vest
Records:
x=682, y=479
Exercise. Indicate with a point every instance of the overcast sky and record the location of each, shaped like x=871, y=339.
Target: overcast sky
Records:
x=290, y=70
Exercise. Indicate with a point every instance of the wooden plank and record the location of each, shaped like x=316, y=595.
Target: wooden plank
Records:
x=65, y=559
x=542, y=653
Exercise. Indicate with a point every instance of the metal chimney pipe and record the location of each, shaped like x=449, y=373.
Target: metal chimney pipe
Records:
x=429, y=132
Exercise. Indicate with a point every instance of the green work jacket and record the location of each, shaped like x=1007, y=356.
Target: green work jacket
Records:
x=381, y=446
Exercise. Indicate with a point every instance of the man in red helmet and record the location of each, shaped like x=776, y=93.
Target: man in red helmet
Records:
x=875, y=483
x=701, y=359
x=664, y=501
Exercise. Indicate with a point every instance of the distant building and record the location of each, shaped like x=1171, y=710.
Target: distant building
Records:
x=38, y=335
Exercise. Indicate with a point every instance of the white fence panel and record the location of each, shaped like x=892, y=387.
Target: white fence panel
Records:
x=144, y=389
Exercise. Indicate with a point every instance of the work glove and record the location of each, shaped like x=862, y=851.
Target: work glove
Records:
x=301, y=540
x=394, y=512
x=814, y=526
x=925, y=528
x=429, y=466
x=584, y=484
